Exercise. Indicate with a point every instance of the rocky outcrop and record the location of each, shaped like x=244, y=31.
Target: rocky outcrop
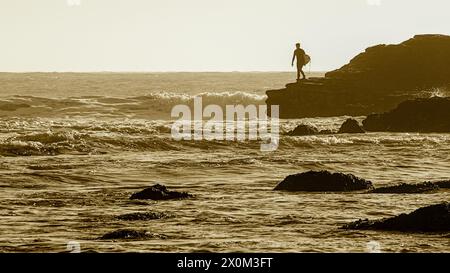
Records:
x=435, y=218
x=304, y=130
x=408, y=188
x=351, y=126
x=143, y=216
x=323, y=181
x=375, y=81
x=159, y=192
x=419, y=115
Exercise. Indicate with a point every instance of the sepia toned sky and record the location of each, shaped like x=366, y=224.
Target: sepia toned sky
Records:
x=203, y=35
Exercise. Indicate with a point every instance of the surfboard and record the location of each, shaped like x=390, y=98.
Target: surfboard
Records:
x=307, y=59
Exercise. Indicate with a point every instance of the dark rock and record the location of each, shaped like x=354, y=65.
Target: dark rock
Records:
x=323, y=181
x=126, y=234
x=159, y=192
x=304, y=130
x=443, y=184
x=351, y=126
x=408, y=188
x=422, y=61
x=143, y=216
x=375, y=81
x=419, y=115
x=435, y=218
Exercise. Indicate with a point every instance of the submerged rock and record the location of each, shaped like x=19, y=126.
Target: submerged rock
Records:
x=159, y=192
x=304, y=130
x=445, y=184
x=408, y=188
x=131, y=234
x=126, y=234
x=143, y=216
x=351, y=126
x=323, y=181
x=419, y=115
x=434, y=218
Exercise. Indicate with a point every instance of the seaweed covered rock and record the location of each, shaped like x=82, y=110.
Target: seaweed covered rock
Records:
x=323, y=181
x=408, y=188
x=351, y=126
x=434, y=218
x=159, y=192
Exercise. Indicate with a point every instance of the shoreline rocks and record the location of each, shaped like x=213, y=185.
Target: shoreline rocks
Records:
x=351, y=126
x=304, y=130
x=159, y=192
x=434, y=218
x=430, y=115
x=323, y=181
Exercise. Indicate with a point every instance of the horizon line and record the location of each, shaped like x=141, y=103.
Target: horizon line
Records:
x=142, y=72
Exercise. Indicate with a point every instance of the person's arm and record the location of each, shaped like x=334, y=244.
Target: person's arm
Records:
x=293, y=59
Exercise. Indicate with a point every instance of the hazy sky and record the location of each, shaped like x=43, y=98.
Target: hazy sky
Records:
x=203, y=35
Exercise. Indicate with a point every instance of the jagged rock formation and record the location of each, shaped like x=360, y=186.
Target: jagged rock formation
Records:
x=351, y=126
x=374, y=81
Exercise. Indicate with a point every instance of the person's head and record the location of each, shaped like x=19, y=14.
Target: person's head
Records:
x=297, y=45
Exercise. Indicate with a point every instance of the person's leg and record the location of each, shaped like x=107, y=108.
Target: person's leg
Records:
x=303, y=73
x=298, y=73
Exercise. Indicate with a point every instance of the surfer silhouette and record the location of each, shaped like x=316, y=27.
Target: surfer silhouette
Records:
x=300, y=55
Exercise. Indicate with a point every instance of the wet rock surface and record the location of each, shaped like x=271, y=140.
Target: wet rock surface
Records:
x=304, y=130
x=130, y=234
x=351, y=126
x=408, y=188
x=434, y=218
x=419, y=115
x=159, y=192
x=323, y=181
x=445, y=184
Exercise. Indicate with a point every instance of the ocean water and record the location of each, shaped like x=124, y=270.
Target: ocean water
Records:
x=74, y=147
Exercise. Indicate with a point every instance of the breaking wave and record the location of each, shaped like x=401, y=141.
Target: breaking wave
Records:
x=54, y=136
x=152, y=106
